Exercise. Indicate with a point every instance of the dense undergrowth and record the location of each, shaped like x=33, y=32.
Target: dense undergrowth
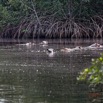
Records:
x=51, y=18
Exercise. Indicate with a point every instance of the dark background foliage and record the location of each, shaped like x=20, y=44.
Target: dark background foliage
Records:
x=16, y=13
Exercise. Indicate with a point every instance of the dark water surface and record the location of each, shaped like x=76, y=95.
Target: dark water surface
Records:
x=29, y=75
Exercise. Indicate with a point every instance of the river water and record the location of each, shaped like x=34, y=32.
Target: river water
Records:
x=29, y=75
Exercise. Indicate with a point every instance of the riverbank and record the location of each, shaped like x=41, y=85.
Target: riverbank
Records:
x=51, y=19
x=69, y=28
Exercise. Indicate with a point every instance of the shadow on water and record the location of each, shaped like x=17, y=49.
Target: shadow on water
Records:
x=29, y=75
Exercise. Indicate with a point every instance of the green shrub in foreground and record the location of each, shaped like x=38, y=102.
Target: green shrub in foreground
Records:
x=93, y=74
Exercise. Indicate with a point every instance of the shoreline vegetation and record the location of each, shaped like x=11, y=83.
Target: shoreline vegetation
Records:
x=51, y=19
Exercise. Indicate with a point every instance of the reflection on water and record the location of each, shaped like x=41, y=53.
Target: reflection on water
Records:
x=29, y=75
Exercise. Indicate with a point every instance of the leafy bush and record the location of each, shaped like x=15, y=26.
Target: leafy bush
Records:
x=93, y=74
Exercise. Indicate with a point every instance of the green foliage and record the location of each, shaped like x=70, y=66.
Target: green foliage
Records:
x=49, y=7
x=12, y=12
x=93, y=74
x=4, y=16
